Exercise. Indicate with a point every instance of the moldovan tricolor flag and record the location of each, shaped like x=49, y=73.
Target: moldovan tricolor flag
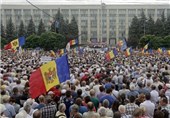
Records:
x=110, y=55
x=48, y=76
x=15, y=43
x=128, y=51
x=73, y=42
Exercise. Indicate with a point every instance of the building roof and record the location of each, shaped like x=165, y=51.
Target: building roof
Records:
x=84, y=2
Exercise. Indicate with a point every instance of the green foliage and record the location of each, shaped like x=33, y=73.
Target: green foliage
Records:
x=10, y=30
x=167, y=26
x=166, y=42
x=155, y=42
x=47, y=41
x=52, y=41
x=149, y=28
x=21, y=31
x=134, y=33
x=73, y=29
x=31, y=28
x=158, y=28
x=3, y=35
x=142, y=24
x=3, y=42
x=32, y=41
x=41, y=28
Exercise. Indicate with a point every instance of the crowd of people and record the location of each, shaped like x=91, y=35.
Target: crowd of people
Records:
x=136, y=86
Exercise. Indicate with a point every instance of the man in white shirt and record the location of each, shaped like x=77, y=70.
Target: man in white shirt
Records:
x=149, y=106
x=154, y=95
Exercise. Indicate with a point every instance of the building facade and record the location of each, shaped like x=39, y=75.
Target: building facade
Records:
x=96, y=23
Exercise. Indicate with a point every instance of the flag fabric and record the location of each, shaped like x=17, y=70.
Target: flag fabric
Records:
x=110, y=55
x=52, y=53
x=128, y=51
x=115, y=51
x=168, y=52
x=68, y=47
x=150, y=51
x=160, y=50
x=76, y=50
x=120, y=43
x=49, y=75
x=145, y=48
x=61, y=51
x=73, y=42
x=15, y=43
x=124, y=45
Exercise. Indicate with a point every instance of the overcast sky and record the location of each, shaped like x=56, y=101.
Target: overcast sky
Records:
x=86, y=1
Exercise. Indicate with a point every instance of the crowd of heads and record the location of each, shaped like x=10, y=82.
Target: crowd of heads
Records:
x=125, y=87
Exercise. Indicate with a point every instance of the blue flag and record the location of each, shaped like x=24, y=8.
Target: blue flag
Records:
x=124, y=46
x=63, y=68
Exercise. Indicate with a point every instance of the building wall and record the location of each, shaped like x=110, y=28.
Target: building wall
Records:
x=96, y=22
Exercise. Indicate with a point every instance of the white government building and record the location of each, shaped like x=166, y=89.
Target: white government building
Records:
x=98, y=20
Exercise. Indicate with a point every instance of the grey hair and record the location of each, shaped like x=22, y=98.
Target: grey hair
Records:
x=62, y=107
x=122, y=109
x=102, y=111
x=75, y=108
x=27, y=107
x=105, y=103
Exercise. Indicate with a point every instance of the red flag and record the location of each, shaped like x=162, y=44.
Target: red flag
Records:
x=7, y=46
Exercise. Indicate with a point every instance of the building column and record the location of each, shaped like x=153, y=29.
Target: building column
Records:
x=88, y=26
x=117, y=26
x=108, y=26
x=165, y=13
x=79, y=27
x=69, y=16
x=127, y=25
x=156, y=15
x=98, y=25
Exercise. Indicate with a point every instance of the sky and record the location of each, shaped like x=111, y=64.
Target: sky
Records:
x=69, y=2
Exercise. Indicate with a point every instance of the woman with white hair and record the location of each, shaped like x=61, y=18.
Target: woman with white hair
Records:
x=102, y=111
x=61, y=111
x=122, y=110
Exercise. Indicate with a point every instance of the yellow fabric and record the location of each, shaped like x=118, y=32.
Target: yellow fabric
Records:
x=49, y=73
x=15, y=44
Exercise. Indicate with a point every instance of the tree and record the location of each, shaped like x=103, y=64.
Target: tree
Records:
x=167, y=26
x=32, y=41
x=41, y=28
x=73, y=29
x=165, y=42
x=21, y=31
x=149, y=28
x=134, y=32
x=10, y=30
x=3, y=35
x=142, y=24
x=163, y=20
x=31, y=28
x=56, y=23
x=158, y=28
x=52, y=41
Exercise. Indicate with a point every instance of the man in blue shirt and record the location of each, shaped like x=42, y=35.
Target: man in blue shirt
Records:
x=109, y=97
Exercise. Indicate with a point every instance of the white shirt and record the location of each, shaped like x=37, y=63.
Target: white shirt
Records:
x=154, y=96
x=150, y=107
